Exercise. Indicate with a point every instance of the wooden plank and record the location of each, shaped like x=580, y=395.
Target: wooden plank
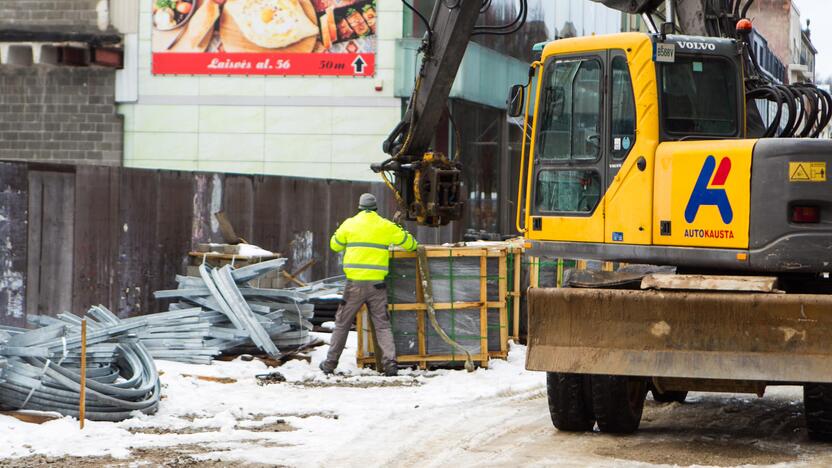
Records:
x=114, y=232
x=31, y=417
x=764, y=284
x=503, y=281
x=51, y=231
x=208, y=189
x=484, y=308
x=137, y=245
x=443, y=306
x=173, y=222
x=266, y=222
x=518, y=263
x=56, y=257
x=445, y=252
x=224, y=256
x=359, y=330
x=414, y=358
x=534, y=272
x=95, y=247
x=35, y=224
x=211, y=378
x=14, y=202
x=238, y=204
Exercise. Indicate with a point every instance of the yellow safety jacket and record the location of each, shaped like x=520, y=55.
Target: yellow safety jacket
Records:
x=367, y=237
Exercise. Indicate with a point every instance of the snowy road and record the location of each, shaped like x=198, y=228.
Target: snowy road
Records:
x=493, y=417
x=717, y=430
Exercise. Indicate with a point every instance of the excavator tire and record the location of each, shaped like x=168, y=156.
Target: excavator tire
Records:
x=569, y=405
x=817, y=404
x=618, y=402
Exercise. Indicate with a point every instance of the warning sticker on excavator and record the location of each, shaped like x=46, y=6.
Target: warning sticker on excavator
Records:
x=807, y=172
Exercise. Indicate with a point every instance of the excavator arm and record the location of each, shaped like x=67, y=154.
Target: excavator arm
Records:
x=427, y=185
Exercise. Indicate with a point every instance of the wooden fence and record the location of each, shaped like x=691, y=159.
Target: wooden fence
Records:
x=74, y=236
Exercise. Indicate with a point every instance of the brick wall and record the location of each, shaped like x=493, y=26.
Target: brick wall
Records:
x=59, y=114
x=49, y=12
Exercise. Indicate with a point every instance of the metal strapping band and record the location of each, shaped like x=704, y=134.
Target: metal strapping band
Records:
x=362, y=266
x=370, y=245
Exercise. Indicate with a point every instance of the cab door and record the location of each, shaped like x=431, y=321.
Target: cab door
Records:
x=569, y=170
x=630, y=148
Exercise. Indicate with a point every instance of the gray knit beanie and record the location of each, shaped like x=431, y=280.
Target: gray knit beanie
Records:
x=367, y=202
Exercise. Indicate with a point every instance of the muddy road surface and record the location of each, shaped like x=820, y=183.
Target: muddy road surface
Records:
x=708, y=430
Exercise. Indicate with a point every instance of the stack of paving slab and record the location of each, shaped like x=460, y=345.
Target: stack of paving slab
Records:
x=220, y=312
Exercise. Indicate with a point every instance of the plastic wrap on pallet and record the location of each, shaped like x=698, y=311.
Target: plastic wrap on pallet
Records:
x=455, y=279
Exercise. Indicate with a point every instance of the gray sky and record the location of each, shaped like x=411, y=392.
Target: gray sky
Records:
x=818, y=12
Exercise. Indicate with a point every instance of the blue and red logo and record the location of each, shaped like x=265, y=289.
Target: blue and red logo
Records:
x=710, y=190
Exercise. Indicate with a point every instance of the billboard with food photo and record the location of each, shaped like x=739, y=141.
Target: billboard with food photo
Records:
x=264, y=37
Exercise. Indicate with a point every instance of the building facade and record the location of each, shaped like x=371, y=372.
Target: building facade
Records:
x=791, y=44
x=57, y=82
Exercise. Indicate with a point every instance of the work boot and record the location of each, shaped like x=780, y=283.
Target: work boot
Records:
x=391, y=369
x=327, y=367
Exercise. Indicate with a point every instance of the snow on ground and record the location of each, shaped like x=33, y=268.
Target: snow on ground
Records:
x=493, y=417
x=310, y=419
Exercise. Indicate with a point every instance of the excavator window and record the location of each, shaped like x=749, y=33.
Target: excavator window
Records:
x=570, y=124
x=623, y=115
x=570, y=134
x=567, y=191
x=699, y=97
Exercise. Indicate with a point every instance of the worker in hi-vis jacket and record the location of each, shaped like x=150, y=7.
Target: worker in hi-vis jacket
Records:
x=365, y=240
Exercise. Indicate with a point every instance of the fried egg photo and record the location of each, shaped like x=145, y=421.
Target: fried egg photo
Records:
x=271, y=23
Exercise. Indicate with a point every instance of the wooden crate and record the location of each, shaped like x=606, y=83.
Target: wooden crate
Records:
x=487, y=278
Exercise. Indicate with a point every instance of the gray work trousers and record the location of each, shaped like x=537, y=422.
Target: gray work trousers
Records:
x=356, y=294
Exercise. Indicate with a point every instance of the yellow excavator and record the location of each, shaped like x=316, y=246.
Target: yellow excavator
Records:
x=650, y=149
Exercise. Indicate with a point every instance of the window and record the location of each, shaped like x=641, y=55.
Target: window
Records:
x=699, y=97
x=570, y=120
x=569, y=191
x=623, y=130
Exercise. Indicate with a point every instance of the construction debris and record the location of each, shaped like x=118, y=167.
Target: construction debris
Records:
x=216, y=313
x=270, y=378
x=42, y=367
x=220, y=312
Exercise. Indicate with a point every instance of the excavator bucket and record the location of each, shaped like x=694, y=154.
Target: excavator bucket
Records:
x=707, y=335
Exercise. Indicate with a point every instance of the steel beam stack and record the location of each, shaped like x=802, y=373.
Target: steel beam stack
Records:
x=220, y=312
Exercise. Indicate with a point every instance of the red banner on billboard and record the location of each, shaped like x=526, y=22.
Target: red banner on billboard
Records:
x=264, y=37
x=264, y=64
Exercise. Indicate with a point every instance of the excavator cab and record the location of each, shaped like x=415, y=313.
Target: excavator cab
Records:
x=640, y=153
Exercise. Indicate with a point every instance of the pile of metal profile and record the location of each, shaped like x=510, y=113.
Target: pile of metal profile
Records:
x=223, y=312
x=41, y=367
